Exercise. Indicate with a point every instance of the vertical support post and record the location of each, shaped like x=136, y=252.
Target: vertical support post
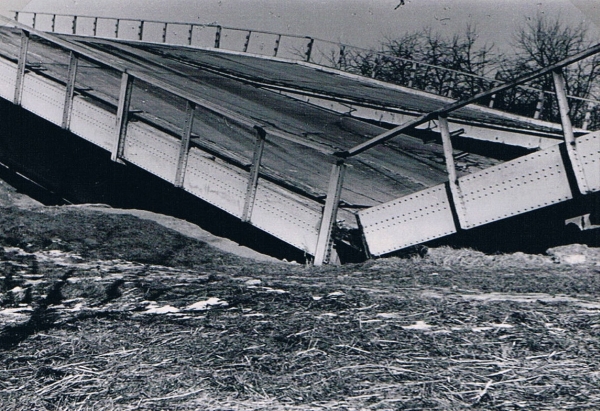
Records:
x=570, y=142
x=74, y=25
x=185, y=143
x=122, y=116
x=247, y=42
x=190, y=34
x=21, y=67
x=73, y=62
x=309, y=48
x=413, y=74
x=334, y=192
x=33, y=20
x=452, y=84
x=259, y=147
x=342, y=57
x=53, y=26
x=117, y=28
x=375, y=67
x=164, y=32
x=540, y=104
x=277, y=42
x=141, y=31
x=16, y=16
x=588, y=116
x=493, y=96
x=218, y=37
x=95, y=27
x=455, y=190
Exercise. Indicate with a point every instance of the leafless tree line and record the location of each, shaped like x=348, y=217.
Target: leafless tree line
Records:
x=459, y=66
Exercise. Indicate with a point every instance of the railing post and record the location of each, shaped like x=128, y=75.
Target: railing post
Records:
x=413, y=74
x=33, y=20
x=122, y=116
x=164, y=32
x=70, y=92
x=95, y=27
x=492, y=97
x=588, y=116
x=21, y=67
x=74, y=25
x=276, y=49
x=247, y=42
x=16, y=16
x=342, y=57
x=218, y=37
x=540, y=105
x=450, y=92
x=309, y=48
x=334, y=192
x=185, y=143
x=53, y=27
x=455, y=190
x=190, y=34
x=259, y=147
x=141, y=31
x=117, y=28
x=570, y=142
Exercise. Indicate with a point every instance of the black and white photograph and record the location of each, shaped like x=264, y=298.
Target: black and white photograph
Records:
x=294, y=205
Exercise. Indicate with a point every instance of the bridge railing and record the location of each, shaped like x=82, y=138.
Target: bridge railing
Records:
x=533, y=102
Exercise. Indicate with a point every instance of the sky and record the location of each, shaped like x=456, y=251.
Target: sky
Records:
x=363, y=23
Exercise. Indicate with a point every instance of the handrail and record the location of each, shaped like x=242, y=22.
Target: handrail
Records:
x=98, y=57
x=444, y=110
x=340, y=45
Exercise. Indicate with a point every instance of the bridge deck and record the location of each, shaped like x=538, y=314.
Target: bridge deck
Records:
x=399, y=186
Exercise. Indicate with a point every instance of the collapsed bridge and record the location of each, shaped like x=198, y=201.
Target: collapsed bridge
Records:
x=282, y=144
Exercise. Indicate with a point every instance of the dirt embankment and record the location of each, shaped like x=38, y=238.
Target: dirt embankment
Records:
x=109, y=311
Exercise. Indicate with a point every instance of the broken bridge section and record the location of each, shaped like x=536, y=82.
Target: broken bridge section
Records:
x=211, y=123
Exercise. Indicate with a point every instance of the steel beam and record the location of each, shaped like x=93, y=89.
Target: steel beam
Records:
x=185, y=143
x=70, y=92
x=21, y=67
x=122, y=116
x=254, y=172
x=570, y=142
x=324, y=243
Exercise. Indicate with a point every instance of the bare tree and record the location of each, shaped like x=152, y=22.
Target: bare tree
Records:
x=541, y=42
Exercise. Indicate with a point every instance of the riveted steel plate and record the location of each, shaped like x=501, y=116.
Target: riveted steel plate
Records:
x=43, y=97
x=93, y=123
x=588, y=147
x=408, y=220
x=215, y=182
x=152, y=150
x=287, y=216
x=8, y=79
x=517, y=186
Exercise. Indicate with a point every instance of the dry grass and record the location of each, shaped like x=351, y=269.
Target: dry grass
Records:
x=387, y=334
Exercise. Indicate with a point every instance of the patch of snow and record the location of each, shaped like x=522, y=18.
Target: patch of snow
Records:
x=207, y=304
x=388, y=315
x=253, y=282
x=274, y=290
x=155, y=309
x=575, y=259
x=419, y=325
x=336, y=294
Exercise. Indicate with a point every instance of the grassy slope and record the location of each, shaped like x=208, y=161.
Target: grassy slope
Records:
x=453, y=330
